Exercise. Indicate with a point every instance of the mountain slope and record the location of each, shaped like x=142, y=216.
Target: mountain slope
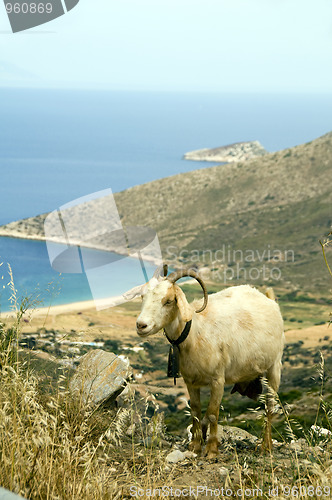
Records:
x=280, y=202
x=276, y=206
x=210, y=196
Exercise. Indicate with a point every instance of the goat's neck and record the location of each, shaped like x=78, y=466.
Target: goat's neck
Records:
x=173, y=330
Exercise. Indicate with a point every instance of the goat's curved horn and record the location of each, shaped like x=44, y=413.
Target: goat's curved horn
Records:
x=173, y=277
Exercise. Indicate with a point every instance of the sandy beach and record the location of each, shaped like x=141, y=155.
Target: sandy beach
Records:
x=64, y=308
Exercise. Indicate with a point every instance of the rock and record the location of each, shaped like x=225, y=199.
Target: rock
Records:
x=298, y=445
x=231, y=435
x=101, y=376
x=321, y=431
x=224, y=472
x=235, y=435
x=178, y=456
x=175, y=456
x=8, y=495
x=126, y=398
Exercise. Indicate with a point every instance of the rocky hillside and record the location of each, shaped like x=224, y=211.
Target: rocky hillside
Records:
x=265, y=215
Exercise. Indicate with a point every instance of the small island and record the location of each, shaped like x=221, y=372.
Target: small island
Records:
x=239, y=151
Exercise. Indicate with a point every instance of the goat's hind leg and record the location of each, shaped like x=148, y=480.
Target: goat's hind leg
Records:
x=195, y=405
x=211, y=418
x=273, y=380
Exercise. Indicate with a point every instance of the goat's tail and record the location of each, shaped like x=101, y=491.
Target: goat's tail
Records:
x=270, y=293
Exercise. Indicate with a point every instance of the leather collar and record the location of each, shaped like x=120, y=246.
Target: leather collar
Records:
x=183, y=335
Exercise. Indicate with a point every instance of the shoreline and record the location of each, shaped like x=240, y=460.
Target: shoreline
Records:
x=18, y=236
x=68, y=308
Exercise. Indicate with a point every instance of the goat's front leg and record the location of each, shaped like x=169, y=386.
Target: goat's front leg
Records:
x=211, y=418
x=195, y=405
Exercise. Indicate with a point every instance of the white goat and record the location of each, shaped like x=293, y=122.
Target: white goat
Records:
x=236, y=336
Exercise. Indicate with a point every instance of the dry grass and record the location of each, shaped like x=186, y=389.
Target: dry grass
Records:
x=56, y=447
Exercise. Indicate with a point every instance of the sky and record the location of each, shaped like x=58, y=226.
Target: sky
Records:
x=175, y=45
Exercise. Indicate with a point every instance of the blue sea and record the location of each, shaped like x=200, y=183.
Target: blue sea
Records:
x=56, y=146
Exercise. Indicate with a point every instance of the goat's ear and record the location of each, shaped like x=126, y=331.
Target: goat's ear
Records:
x=184, y=308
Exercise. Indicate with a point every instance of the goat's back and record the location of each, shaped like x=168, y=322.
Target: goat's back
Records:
x=236, y=300
x=246, y=326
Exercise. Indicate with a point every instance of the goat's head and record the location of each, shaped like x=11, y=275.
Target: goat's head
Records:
x=163, y=300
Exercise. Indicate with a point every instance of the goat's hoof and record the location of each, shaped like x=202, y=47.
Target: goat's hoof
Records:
x=196, y=447
x=212, y=454
x=211, y=450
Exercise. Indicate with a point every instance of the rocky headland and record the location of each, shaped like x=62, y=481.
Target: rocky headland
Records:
x=240, y=151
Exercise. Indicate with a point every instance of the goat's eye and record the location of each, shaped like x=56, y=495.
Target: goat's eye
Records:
x=169, y=302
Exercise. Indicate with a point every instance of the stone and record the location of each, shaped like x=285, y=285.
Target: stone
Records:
x=175, y=456
x=321, y=431
x=8, y=495
x=101, y=376
x=224, y=472
x=126, y=398
x=297, y=445
x=178, y=456
x=235, y=435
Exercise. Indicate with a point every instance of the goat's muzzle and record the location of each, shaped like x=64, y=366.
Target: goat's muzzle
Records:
x=141, y=326
x=143, y=329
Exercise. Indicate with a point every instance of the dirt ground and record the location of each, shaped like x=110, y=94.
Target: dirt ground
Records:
x=309, y=336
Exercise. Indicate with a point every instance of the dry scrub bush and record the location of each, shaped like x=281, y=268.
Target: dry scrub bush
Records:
x=51, y=448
